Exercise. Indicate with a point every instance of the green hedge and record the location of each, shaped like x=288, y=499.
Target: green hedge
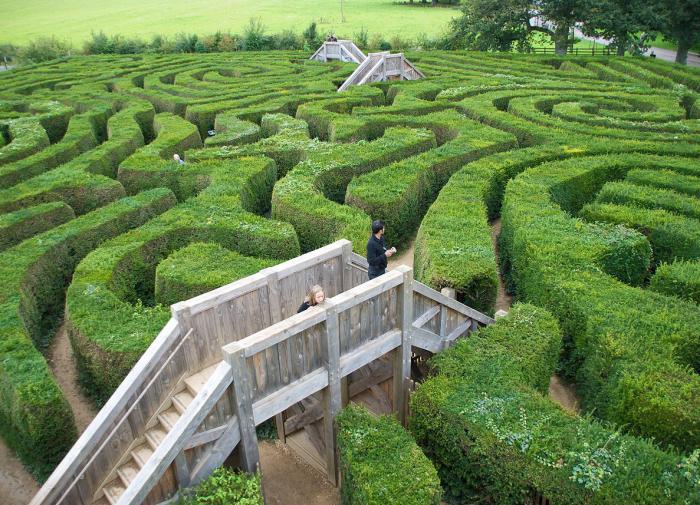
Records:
x=401, y=193
x=232, y=131
x=225, y=487
x=495, y=438
x=110, y=306
x=80, y=137
x=671, y=236
x=630, y=358
x=36, y=419
x=304, y=196
x=625, y=193
x=27, y=137
x=680, y=278
x=22, y=224
x=200, y=267
x=380, y=463
x=667, y=179
x=453, y=247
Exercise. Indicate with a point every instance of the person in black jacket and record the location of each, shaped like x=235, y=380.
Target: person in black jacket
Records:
x=377, y=253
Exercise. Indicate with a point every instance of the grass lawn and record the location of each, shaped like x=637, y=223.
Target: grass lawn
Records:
x=73, y=20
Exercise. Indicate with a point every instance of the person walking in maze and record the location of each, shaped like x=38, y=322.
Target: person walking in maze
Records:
x=377, y=253
x=314, y=297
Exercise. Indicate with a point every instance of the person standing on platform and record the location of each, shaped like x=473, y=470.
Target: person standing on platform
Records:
x=377, y=253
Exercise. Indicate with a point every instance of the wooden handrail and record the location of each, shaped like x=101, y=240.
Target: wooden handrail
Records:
x=177, y=437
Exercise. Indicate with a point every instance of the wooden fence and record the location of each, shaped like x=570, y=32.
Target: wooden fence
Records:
x=257, y=358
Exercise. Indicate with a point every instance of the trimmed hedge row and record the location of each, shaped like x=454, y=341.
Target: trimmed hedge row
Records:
x=147, y=167
x=381, y=464
x=671, y=236
x=494, y=437
x=626, y=193
x=680, y=278
x=36, y=419
x=24, y=223
x=299, y=198
x=401, y=193
x=27, y=137
x=232, y=131
x=667, y=179
x=110, y=308
x=226, y=487
x=80, y=137
x=201, y=267
x=630, y=359
x=84, y=182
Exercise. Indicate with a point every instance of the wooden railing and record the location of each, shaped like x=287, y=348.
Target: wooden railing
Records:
x=267, y=358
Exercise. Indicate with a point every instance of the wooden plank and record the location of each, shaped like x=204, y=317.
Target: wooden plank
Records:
x=290, y=394
x=402, y=355
x=310, y=259
x=427, y=316
x=218, y=454
x=443, y=321
x=204, y=437
x=331, y=395
x=369, y=352
x=95, y=437
x=427, y=340
x=182, y=470
x=346, y=266
x=382, y=372
x=310, y=415
x=243, y=390
x=176, y=438
x=359, y=261
x=222, y=295
x=424, y=290
x=368, y=290
x=278, y=332
x=459, y=330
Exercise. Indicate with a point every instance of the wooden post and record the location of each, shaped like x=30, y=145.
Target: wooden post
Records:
x=273, y=302
x=347, y=284
x=182, y=470
x=244, y=409
x=332, y=393
x=402, y=355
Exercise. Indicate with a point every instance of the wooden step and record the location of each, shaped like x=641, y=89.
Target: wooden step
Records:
x=169, y=417
x=141, y=454
x=102, y=500
x=155, y=436
x=196, y=382
x=113, y=490
x=127, y=472
x=182, y=399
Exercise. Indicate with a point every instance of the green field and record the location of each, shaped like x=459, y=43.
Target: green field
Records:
x=24, y=21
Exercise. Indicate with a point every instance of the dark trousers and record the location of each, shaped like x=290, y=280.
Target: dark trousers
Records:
x=372, y=274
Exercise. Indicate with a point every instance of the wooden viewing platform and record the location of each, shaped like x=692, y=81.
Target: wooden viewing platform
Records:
x=341, y=50
x=382, y=66
x=239, y=355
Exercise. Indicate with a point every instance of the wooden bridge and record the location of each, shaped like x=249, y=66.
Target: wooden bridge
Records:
x=237, y=356
x=341, y=50
x=382, y=67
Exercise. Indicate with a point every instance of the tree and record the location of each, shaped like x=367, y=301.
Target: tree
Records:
x=621, y=21
x=490, y=24
x=681, y=24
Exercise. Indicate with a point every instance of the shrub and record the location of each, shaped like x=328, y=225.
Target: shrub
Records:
x=44, y=49
x=494, y=437
x=380, y=462
x=680, y=278
x=24, y=223
x=226, y=487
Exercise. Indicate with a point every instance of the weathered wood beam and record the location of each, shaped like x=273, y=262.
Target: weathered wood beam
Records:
x=369, y=352
x=402, y=355
x=331, y=395
x=216, y=456
x=426, y=316
x=244, y=410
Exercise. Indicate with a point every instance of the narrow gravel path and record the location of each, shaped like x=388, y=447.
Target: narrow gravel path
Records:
x=17, y=486
x=503, y=299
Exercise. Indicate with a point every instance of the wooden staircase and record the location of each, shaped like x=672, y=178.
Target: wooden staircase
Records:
x=341, y=50
x=382, y=67
x=239, y=355
x=141, y=450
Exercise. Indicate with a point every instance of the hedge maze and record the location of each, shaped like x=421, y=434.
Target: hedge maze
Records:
x=592, y=164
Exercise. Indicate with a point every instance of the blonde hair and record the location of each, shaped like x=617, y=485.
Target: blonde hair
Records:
x=311, y=295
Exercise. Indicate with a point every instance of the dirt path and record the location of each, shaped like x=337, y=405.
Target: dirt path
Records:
x=503, y=299
x=403, y=256
x=287, y=480
x=62, y=364
x=17, y=486
x=564, y=394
